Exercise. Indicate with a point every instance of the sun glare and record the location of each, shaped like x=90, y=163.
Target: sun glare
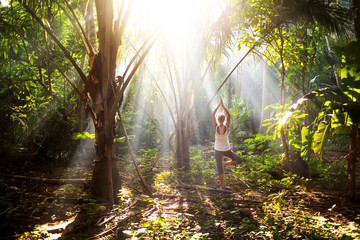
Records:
x=174, y=20
x=173, y=68
x=4, y=3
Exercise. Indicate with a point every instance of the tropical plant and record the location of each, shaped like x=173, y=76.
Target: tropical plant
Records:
x=338, y=115
x=281, y=27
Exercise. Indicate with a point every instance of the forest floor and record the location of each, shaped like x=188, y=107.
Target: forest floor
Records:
x=35, y=209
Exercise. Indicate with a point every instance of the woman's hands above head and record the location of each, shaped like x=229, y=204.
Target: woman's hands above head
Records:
x=221, y=103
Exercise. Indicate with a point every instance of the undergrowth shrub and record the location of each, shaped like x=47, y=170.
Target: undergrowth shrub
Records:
x=146, y=159
x=240, y=119
x=284, y=219
x=174, y=227
x=163, y=180
x=332, y=173
x=261, y=156
x=202, y=167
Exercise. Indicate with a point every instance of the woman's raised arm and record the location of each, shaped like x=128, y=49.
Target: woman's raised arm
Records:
x=213, y=118
x=228, y=116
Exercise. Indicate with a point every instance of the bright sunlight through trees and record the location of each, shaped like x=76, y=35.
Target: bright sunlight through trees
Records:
x=111, y=124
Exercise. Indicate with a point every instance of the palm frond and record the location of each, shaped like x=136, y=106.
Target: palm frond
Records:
x=333, y=17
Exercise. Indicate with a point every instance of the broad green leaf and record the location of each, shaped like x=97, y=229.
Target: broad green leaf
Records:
x=350, y=70
x=320, y=138
x=342, y=129
x=306, y=140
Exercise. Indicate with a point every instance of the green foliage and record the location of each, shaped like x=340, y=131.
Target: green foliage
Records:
x=260, y=143
x=283, y=219
x=261, y=157
x=336, y=116
x=36, y=102
x=178, y=227
x=91, y=208
x=201, y=171
x=147, y=158
x=142, y=129
x=163, y=180
x=126, y=197
x=239, y=119
x=292, y=126
x=201, y=166
x=288, y=43
x=332, y=173
x=69, y=191
x=350, y=75
x=34, y=235
x=83, y=135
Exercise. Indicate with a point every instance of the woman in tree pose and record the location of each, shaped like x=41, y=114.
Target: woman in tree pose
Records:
x=222, y=146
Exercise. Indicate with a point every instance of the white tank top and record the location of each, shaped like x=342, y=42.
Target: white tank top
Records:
x=222, y=139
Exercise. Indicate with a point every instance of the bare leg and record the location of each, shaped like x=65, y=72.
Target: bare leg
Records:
x=232, y=162
x=224, y=163
x=222, y=182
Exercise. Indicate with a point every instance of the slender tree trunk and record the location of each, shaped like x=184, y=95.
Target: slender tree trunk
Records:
x=80, y=107
x=351, y=159
x=354, y=146
x=48, y=68
x=182, y=147
x=229, y=95
x=282, y=102
x=184, y=125
x=303, y=79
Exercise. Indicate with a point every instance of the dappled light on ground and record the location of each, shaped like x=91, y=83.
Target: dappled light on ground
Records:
x=53, y=230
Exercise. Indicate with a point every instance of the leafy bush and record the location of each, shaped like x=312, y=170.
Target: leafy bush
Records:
x=146, y=159
x=177, y=227
x=201, y=166
x=239, y=119
x=283, y=219
x=163, y=180
x=261, y=157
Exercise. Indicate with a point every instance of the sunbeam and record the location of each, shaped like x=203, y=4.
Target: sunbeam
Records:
x=171, y=76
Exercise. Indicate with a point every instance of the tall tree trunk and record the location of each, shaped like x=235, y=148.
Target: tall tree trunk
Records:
x=229, y=95
x=80, y=107
x=354, y=147
x=282, y=102
x=105, y=180
x=351, y=159
x=182, y=145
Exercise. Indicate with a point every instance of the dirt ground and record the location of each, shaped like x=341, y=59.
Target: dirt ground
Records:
x=29, y=205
